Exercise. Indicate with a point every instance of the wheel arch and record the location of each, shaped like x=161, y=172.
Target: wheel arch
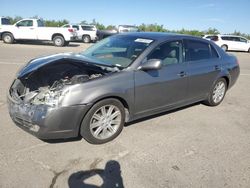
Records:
x=120, y=99
x=4, y=32
x=57, y=34
x=86, y=35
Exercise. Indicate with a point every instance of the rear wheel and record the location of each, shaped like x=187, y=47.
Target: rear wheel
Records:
x=8, y=38
x=103, y=122
x=249, y=50
x=58, y=41
x=86, y=38
x=217, y=93
x=224, y=47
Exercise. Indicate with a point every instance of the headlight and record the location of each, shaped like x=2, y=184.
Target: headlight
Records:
x=49, y=97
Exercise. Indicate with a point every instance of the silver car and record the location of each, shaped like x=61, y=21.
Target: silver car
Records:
x=117, y=80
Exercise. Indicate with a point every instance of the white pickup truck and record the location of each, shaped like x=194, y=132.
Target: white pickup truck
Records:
x=34, y=29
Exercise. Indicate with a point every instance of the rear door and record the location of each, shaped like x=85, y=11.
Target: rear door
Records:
x=203, y=67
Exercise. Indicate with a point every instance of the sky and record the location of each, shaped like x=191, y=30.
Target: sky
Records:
x=224, y=15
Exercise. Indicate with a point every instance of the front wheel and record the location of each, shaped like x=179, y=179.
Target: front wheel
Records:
x=8, y=38
x=217, y=93
x=103, y=122
x=58, y=41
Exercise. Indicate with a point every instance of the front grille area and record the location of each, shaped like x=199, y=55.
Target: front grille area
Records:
x=23, y=122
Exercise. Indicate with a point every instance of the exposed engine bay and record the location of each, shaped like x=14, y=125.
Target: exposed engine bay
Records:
x=45, y=85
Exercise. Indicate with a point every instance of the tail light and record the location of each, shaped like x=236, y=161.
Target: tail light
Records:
x=71, y=30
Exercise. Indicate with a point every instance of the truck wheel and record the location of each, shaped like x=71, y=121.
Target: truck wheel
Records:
x=58, y=41
x=8, y=38
x=86, y=39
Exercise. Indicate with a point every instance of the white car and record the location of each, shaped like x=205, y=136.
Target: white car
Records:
x=85, y=33
x=34, y=29
x=230, y=42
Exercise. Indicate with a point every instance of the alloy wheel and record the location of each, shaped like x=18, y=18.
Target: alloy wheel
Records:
x=105, y=122
x=219, y=92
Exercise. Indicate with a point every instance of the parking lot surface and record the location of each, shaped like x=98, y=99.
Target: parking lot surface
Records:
x=196, y=146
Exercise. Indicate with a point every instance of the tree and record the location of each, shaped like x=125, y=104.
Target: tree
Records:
x=212, y=31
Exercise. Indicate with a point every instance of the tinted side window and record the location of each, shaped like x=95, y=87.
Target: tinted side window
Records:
x=88, y=28
x=214, y=53
x=237, y=39
x=243, y=40
x=76, y=27
x=169, y=53
x=196, y=50
x=226, y=38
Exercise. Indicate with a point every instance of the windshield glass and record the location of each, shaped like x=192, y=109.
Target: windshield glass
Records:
x=118, y=51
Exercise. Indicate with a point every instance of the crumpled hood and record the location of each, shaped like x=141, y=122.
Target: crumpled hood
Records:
x=45, y=60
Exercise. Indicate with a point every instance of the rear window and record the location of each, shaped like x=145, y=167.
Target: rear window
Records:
x=196, y=50
x=5, y=21
x=40, y=23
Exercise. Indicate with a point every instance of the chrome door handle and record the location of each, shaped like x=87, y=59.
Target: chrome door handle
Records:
x=217, y=67
x=182, y=74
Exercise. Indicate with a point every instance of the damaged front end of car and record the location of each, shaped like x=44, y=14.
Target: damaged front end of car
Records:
x=37, y=96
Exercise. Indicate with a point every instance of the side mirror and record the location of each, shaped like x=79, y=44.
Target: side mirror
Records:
x=152, y=64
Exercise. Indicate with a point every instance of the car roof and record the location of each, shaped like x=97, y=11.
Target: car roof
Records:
x=158, y=35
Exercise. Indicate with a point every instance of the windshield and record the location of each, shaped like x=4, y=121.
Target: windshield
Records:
x=119, y=51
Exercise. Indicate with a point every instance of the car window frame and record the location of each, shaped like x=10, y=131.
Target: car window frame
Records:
x=162, y=43
x=25, y=25
x=210, y=46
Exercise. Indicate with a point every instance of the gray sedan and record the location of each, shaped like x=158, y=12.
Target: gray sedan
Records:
x=117, y=80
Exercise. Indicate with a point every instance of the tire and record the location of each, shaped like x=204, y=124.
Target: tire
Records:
x=86, y=38
x=217, y=93
x=58, y=41
x=8, y=38
x=249, y=50
x=224, y=47
x=96, y=127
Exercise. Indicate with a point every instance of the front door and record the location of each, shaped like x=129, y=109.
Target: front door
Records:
x=25, y=30
x=156, y=90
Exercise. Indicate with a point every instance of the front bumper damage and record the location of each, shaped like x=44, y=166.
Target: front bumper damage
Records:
x=41, y=100
x=47, y=122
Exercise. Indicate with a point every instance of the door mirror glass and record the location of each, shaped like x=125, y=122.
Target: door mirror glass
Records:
x=152, y=64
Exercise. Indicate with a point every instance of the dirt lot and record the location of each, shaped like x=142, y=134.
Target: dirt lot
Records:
x=197, y=146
